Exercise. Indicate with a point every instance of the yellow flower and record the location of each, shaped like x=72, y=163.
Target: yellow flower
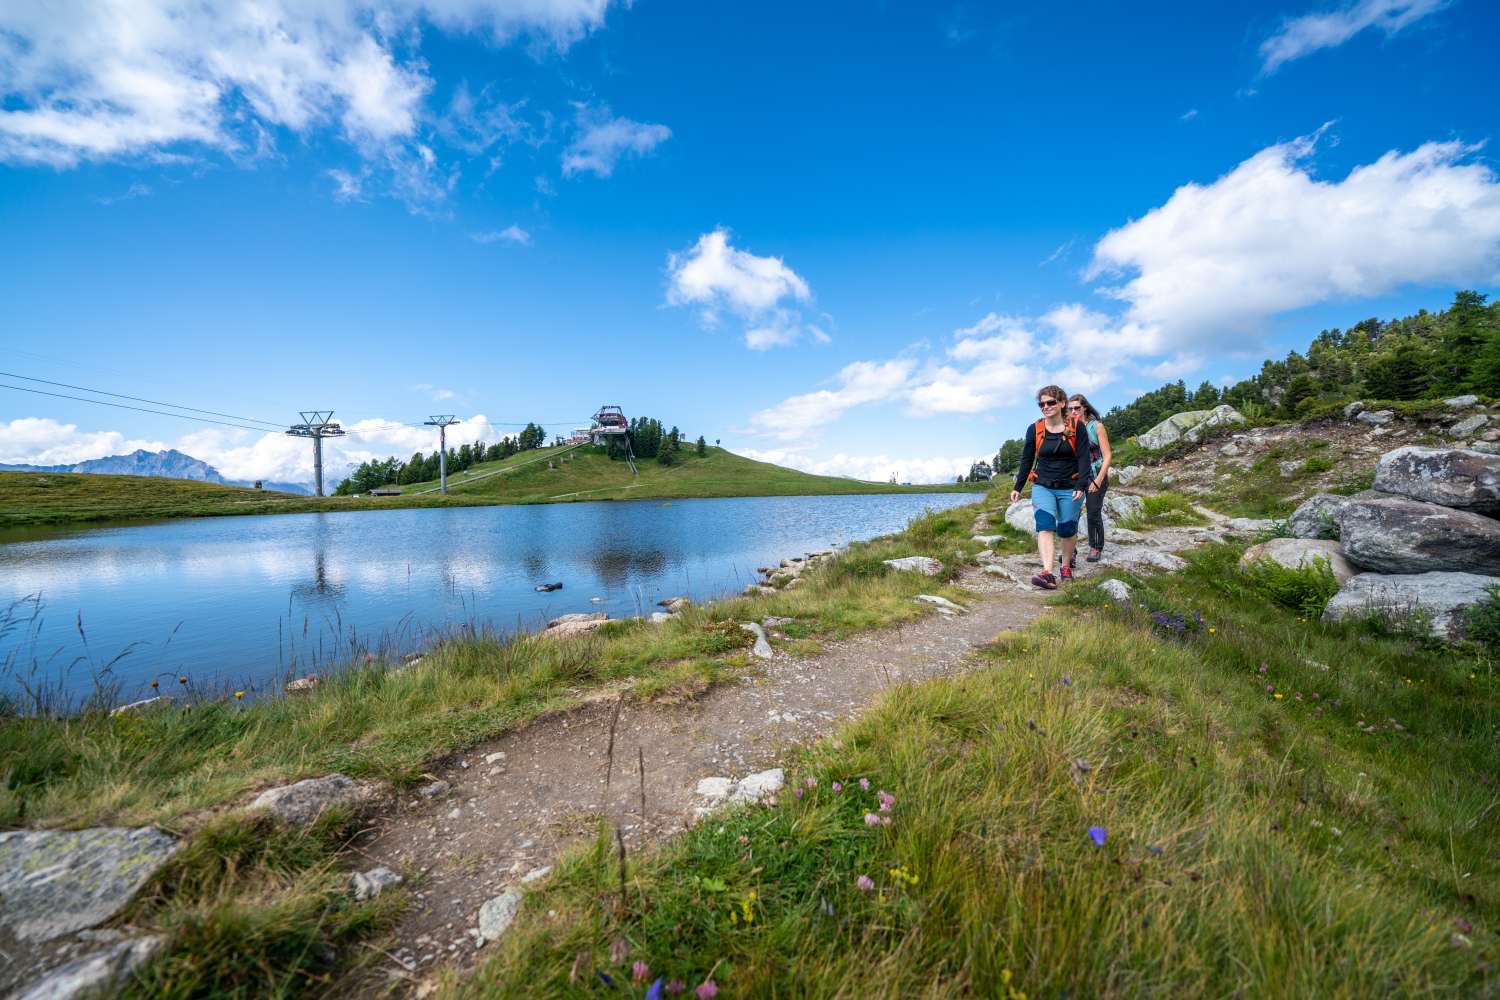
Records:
x=1277, y=695
x=239, y=694
x=1211, y=631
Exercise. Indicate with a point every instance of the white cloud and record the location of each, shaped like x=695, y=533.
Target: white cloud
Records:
x=760, y=290
x=1300, y=36
x=44, y=441
x=433, y=393
x=106, y=79
x=872, y=468
x=859, y=384
x=1217, y=261
x=511, y=234
x=603, y=139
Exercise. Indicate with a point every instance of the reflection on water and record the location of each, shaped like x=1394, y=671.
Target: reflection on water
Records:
x=247, y=600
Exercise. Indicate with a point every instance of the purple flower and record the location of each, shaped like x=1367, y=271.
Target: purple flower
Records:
x=1067, y=682
x=654, y=993
x=886, y=820
x=1270, y=687
x=707, y=989
x=640, y=972
x=676, y=986
x=812, y=782
x=886, y=801
x=1097, y=835
x=1315, y=694
x=864, y=783
x=799, y=793
x=1153, y=850
x=871, y=819
x=837, y=787
x=1263, y=668
x=864, y=883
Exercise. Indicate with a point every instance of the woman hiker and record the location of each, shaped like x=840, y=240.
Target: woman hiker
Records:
x=1057, y=467
x=1100, y=456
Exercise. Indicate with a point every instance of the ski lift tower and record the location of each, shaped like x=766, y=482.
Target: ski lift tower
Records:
x=610, y=425
x=317, y=425
x=441, y=422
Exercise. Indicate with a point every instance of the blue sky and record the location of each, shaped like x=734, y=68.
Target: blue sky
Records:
x=852, y=237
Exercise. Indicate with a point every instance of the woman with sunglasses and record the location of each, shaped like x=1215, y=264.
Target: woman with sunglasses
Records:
x=1100, y=455
x=1057, y=469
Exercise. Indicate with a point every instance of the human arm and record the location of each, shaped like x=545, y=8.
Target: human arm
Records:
x=1102, y=478
x=1028, y=459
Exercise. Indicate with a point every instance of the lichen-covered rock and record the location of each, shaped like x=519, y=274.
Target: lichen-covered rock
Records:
x=367, y=885
x=1128, y=473
x=55, y=882
x=1439, y=597
x=1376, y=418
x=305, y=801
x=1123, y=506
x=1190, y=426
x=1021, y=516
x=496, y=915
x=1397, y=535
x=1118, y=590
x=1317, y=516
x=762, y=648
x=1142, y=557
x=925, y=565
x=1301, y=553
x=98, y=974
x=1453, y=477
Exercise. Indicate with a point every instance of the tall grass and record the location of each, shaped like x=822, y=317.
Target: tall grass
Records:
x=1287, y=809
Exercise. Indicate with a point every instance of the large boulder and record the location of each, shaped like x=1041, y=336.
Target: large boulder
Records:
x=925, y=565
x=1397, y=535
x=1020, y=516
x=1317, y=516
x=1123, y=506
x=1453, y=477
x=1301, y=553
x=100, y=973
x=1190, y=426
x=56, y=882
x=1437, y=596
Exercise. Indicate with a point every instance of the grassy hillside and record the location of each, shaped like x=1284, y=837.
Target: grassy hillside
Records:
x=29, y=498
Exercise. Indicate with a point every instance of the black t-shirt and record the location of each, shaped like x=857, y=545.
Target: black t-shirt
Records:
x=1057, y=461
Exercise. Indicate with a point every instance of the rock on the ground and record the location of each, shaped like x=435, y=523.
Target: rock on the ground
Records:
x=941, y=602
x=715, y=788
x=1458, y=401
x=1397, y=535
x=1231, y=449
x=1290, y=468
x=160, y=701
x=1352, y=409
x=1118, y=590
x=55, y=882
x=305, y=801
x=762, y=648
x=434, y=789
x=1123, y=535
x=988, y=539
x=367, y=885
x=1143, y=556
x=103, y=972
x=1317, y=516
x=1301, y=553
x=1123, y=506
x=574, y=619
x=1468, y=425
x=303, y=684
x=1130, y=472
x=1376, y=418
x=1249, y=525
x=754, y=787
x=1021, y=516
x=496, y=915
x=661, y=617
x=579, y=626
x=675, y=604
x=536, y=875
x=1453, y=477
x=921, y=564
x=1190, y=425
x=1440, y=595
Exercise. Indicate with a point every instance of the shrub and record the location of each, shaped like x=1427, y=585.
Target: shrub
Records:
x=1165, y=510
x=1318, y=464
x=1482, y=620
x=1307, y=589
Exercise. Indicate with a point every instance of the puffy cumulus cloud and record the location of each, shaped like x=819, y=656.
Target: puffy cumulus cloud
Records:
x=762, y=291
x=859, y=384
x=44, y=441
x=1300, y=36
x=872, y=468
x=102, y=79
x=602, y=140
x=1217, y=261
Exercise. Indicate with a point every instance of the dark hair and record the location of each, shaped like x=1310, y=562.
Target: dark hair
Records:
x=1088, y=408
x=1052, y=390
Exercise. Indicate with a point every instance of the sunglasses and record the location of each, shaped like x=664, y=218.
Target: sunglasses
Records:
x=1044, y=403
x=1075, y=408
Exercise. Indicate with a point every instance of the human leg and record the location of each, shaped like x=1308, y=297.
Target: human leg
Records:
x=1095, y=504
x=1068, y=510
x=1044, y=512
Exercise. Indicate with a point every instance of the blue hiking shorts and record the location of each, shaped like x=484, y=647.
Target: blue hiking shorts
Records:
x=1055, y=510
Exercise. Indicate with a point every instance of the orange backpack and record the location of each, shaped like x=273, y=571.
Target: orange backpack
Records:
x=1040, y=435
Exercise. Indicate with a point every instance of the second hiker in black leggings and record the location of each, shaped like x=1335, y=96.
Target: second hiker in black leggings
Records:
x=1100, y=456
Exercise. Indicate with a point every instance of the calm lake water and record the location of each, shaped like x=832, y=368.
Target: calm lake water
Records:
x=243, y=601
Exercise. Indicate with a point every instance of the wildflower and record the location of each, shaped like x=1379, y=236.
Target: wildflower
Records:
x=707, y=989
x=1270, y=687
x=837, y=787
x=812, y=782
x=1153, y=850
x=1277, y=695
x=153, y=684
x=799, y=793
x=676, y=986
x=619, y=950
x=864, y=883
x=1211, y=631
x=654, y=993
x=871, y=819
x=182, y=680
x=1298, y=696
x=864, y=783
x=239, y=694
x=1263, y=668
x=1097, y=834
x=640, y=972
x=1315, y=696
x=886, y=820
x=370, y=657
x=886, y=801
x=1067, y=683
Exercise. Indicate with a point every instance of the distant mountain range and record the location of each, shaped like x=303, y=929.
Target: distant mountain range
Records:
x=171, y=464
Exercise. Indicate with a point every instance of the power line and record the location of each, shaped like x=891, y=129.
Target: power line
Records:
x=143, y=378
x=122, y=406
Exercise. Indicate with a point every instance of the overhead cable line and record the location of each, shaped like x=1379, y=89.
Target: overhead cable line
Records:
x=144, y=378
x=122, y=406
x=137, y=399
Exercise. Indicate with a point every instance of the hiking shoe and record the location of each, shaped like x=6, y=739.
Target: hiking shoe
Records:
x=1073, y=560
x=1094, y=555
x=1067, y=574
x=1044, y=580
